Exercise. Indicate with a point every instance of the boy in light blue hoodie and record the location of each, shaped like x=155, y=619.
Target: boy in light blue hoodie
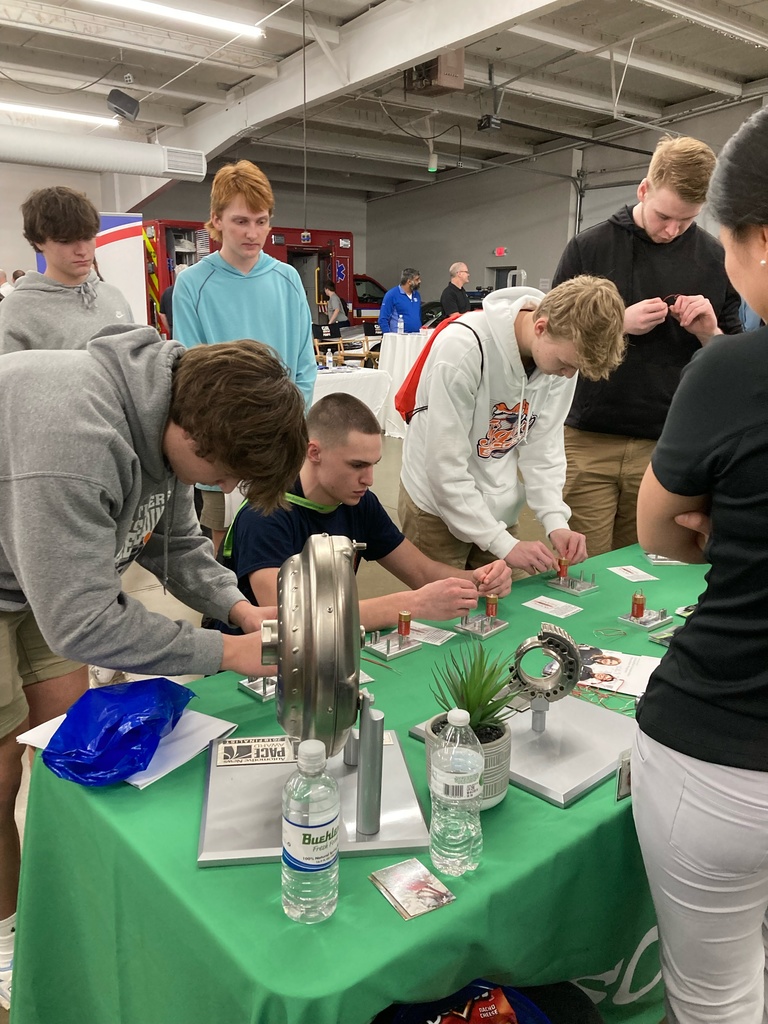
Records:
x=242, y=292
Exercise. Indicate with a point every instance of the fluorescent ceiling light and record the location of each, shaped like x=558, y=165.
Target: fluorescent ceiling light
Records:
x=64, y=115
x=189, y=17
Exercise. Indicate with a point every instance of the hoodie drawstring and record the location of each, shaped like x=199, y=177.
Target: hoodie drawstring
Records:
x=87, y=293
x=170, y=498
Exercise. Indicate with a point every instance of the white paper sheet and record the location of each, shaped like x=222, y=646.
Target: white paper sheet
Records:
x=192, y=734
x=558, y=609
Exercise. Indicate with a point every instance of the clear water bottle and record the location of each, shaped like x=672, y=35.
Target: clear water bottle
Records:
x=310, y=838
x=456, y=788
x=400, y=324
x=329, y=358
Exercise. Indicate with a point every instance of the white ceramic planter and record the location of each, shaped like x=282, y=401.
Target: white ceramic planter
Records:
x=497, y=754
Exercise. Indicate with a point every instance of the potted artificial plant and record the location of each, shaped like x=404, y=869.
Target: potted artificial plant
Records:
x=472, y=681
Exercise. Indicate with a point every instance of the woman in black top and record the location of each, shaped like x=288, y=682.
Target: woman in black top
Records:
x=700, y=764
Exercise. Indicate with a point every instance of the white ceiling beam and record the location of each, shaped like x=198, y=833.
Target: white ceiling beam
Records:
x=330, y=179
x=602, y=49
x=378, y=122
x=470, y=106
x=351, y=146
x=718, y=17
x=266, y=154
x=557, y=90
x=59, y=21
x=87, y=103
x=392, y=36
x=40, y=66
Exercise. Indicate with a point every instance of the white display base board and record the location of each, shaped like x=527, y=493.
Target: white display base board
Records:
x=242, y=810
x=578, y=749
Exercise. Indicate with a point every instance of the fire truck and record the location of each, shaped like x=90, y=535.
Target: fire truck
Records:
x=317, y=256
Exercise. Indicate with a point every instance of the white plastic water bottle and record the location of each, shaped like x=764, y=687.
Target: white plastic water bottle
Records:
x=310, y=838
x=456, y=788
x=400, y=324
x=329, y=358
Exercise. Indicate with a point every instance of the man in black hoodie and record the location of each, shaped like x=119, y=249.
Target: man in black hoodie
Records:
x=671, y=275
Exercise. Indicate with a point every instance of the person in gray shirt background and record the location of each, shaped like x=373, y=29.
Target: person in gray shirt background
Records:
x=65, y=306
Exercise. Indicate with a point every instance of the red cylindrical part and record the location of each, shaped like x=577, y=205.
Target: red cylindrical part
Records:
x=562, y=568
x=404, y=624
x=492, y=606
x=638, y=605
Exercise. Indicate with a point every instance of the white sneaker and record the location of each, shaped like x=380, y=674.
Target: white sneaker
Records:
x=6, y=973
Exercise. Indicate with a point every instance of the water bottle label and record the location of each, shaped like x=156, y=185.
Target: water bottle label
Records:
x=310, y=847
x=456, y=787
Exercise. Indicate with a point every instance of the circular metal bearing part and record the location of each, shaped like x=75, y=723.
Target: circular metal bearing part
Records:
x=315, y=642
x=563, y=650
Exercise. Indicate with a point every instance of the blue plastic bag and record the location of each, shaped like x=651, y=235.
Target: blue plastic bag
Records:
x=112, y=732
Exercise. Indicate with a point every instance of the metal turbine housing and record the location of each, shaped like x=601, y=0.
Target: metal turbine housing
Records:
x=315, y=642
x=563, y=649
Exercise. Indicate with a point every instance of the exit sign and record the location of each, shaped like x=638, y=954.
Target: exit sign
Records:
x=500, y=250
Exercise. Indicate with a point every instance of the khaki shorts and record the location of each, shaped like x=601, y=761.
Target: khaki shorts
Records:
x=213, y=512
x=433, y=538
x=24, y=658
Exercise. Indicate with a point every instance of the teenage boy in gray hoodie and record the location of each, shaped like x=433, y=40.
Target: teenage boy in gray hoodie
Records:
x=67, y=304
x=101, y=475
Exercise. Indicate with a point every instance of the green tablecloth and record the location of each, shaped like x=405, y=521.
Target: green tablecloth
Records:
x=118, y=925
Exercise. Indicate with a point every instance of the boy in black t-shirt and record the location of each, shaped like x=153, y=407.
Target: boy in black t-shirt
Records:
x=332, y=495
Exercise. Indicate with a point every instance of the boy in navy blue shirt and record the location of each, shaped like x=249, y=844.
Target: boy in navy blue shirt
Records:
x=332, y=495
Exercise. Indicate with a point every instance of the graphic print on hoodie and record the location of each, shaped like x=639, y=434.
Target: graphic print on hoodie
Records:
x=505, y=430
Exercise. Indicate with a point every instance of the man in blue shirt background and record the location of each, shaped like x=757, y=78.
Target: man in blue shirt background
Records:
x=402, y=300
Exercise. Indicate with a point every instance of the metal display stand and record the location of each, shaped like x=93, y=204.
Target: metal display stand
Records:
x=573, y=585
x=242, y=814
x=481, y=626
x=651, y=619
x=392, y=646
x=563, y=747
x=315, y=643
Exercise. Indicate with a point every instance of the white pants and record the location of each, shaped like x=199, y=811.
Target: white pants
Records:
x=703, y=831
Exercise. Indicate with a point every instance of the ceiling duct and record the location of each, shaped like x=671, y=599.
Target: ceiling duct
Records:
x=89, y=153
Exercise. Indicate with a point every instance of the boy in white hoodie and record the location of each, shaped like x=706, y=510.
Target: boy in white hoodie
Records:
x=490, y=406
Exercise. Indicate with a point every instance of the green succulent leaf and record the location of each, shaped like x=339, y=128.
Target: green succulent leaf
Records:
x=472, y=681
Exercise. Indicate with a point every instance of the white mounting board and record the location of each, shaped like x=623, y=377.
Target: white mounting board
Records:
x=242, y=812
x=579, y=748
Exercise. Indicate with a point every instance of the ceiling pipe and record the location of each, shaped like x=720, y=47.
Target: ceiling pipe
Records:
x=90, y=153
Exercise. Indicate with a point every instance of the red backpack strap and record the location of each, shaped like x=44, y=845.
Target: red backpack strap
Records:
x=405, y=399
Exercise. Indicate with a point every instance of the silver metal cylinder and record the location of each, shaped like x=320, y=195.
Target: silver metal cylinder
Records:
x=370, y=754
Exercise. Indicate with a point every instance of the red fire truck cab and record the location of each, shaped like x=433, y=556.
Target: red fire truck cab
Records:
x=317, y=256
